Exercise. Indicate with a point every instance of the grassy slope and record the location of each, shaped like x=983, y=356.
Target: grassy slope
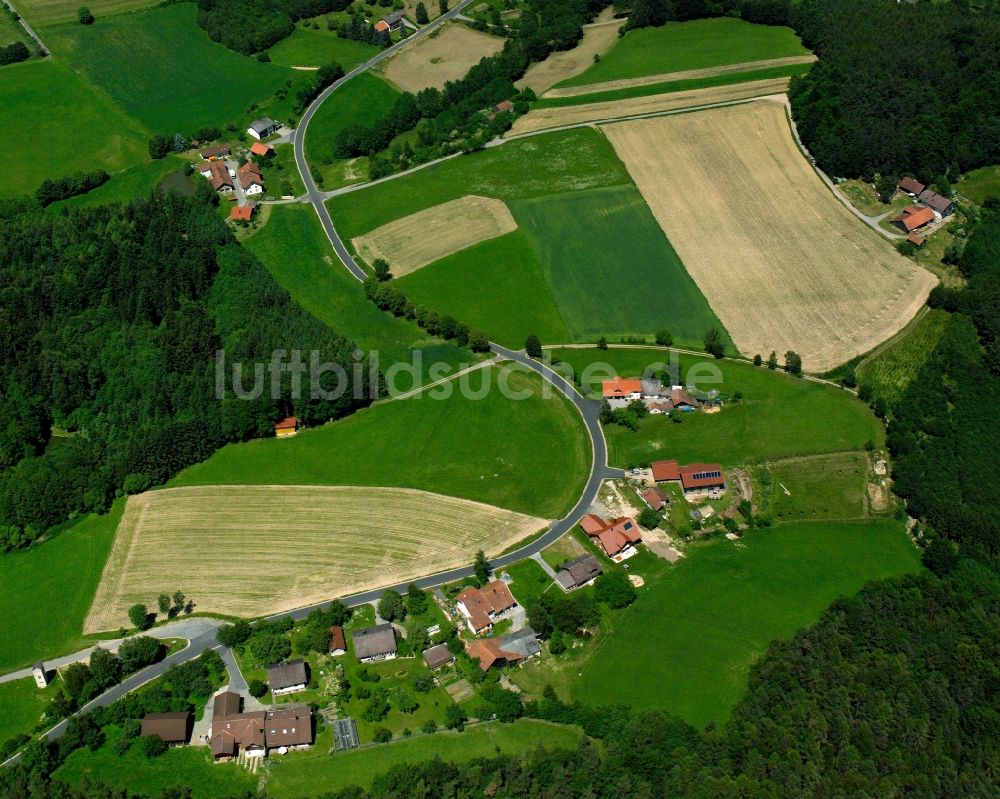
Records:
x=830, y=487
x=610, y=267
x=697, y=44
x=50, y=12
x=69, y=567
x=133, y=57
x=136, y=182
x=23, y=704
x=689, y=641
x=530, y=455
x=779, y=416
x=58, y=125
x=894, y=368
x=296, y=251
x=496, y=285
x=980, y=183
x=316, y=772
x=11, y=31
x=314, y=48
x=533, y=167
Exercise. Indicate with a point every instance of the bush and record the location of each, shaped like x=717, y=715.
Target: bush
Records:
x=152, y=746
x=13, y=53
x=649, y=518
x=257, y=688
x=381, y=735
x=83, y=14
x=614, y=589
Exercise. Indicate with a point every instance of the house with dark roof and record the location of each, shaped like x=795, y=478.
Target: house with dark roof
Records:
x=438, y=656
x=171, y=728
x=617, y=537
x=910, y=186
x=287, y=677
x=390, y=22
x=215, y=151
x=482, y=607
x=579, y=572
x=262, y=128
x=338, y=644
x=938, y=203
x=287, y=728
x=374, y=643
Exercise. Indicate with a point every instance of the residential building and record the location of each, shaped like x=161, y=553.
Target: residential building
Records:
x=698, y=478
x=660, y=407
x=507, y=651
x=579, y=572
x=261, y=149
x=916, y=239
x=288, y=426
x=374, y=643
x=914, y=217
x=911, y=186
x=234, y=732
x=288, y=727
x=656, y=498
x=288, y=677
x=251, y=178
x=215, y=151
x=41, y=676
x=438, y=656
x=622, y=389
x=681, y=400
x=390, y=22
x=243, y=213
x=484, y=606
x=617, y=537
x=262, y=128
x=940, y=204
x=171, y=728
x=218, y=173
x=503, y=106
x=338, y=644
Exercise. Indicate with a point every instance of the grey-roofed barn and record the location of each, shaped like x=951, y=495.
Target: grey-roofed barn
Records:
x=374, y=643
x=579, y=572
x=287, y=677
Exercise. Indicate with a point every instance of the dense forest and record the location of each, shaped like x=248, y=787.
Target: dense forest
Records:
x=653, y=13
x=251, y=26
x=899, y=88
x=110, y=319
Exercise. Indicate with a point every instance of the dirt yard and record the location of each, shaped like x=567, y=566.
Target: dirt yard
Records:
x=688, y=74
x=440, y=57
x=544, y=118
x=254, y=550
x=597, y=40
x=429, y=235
x=781, y=261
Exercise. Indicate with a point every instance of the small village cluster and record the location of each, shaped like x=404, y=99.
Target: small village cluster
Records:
x=235, y=181
x=619, y=392
x=930, y=207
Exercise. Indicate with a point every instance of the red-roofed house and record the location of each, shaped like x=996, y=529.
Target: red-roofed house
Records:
x=615, y=536
x=338, y=644
x=259, y=148
x=242, y=213
x=218, y=173
x=701, y=477
x=482, y=607
x=621, y=388
x=914, y=217
x=913, y=238
x=286, y=427
x=665, y=471
x=655, y=498
x=251, y=178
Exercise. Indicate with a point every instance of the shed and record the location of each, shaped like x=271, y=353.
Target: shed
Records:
x=171, y=728
x=438, y=656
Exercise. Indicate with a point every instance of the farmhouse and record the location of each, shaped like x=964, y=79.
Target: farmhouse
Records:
x=941, y=205
x=171, y=728
x=261, y=149
x=234, y=732
x=484, y=606
x=288, y=426
x=218, y=173
x=287, y=678
x=438, y=656
x=665, y=471
x=617, y=537
x=503, y=106
x=243, y=213
x=655, y=498
x=41, y=676
x=338, y=644
x=681, y=400
x=288, y=727
x=579, y=572
x=262, y=128
x=390, y=22
x=622, y=389
x=911, y=186
x=216, y=151
x=699, y=478
x=251, y=178
x=659, y=407
x=509, y=650
x=374, y=643
x=914, y=217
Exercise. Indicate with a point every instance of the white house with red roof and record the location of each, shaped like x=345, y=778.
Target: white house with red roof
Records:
x=617, y=537
x=483, y=607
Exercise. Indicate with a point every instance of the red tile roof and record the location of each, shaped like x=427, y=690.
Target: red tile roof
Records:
x=614, y=534
x=289, y=423
x=505, y=105
x=912, y=219
x=655, y=498
x=702, y=475
x=241, y=213
x=486, y=602
x=489, y=652
x=219, y=174
x=259, y=148
x=381, y=25
x=913, y=238
x=337, y=640
x=621, y=387
x=665, y=470
x=593, y=524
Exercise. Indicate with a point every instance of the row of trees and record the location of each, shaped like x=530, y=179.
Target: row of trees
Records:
x=251, y=26
x=325, y=76
x=359, y=29
x=12, y=53
x=62, y=189
x=654, y=13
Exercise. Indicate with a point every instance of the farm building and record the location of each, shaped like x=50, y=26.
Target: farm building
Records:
x=171, y=728
x=243, y=213
x=665, y=471
x=617, y=537
x=390, y=22
x=938, y=203
x=288, y=426
x=287, y=678
x=215, y=151
x=338, y=644
x=655, y=498
x=681, y=400
x=288, y=727
x=484, y=606
x=503, y=106
x=911, y=186
x=914, y=217
x=438, y=656
x=509, y=650
x=699, y=478
x=620, y=388
x=579, y=572
x=659, y=407
x=916, y=240
x=251, y=178
x=41, y=676
x=234, y=732
x=374, y=643
x=218, y=173
x=261, y=149
x=262, y=128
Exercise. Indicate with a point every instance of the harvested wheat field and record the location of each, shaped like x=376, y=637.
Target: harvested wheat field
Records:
x=560, y=65
x=544, y=118
x=783, y=264
x=434, y=233
x=255, y=550
x=440, y=57
x=687, y=74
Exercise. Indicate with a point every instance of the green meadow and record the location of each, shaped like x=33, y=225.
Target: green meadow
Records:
x=23, y=704
x=980, y=183
x=530, y=455
x=51, y=12
x=294, y=248
x=315, y=48
x=58, y=124
x=68, y=566
x=688, y=643
x=818, y=488
x=697, y=44
x=135, y=57
x=11, y=31
x=777, y=417
x=895, y=365
x=133, y=183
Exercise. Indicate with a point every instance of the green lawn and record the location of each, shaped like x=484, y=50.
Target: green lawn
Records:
x=280, y=170
x=610, y=268
x=496, y=285
x=530, y=581
x=688, y=642
x=316, y=772
x=533, y=167
x=894, y=367
x=294, y=248
x=50, y=12
x=980, y=183
x=529, y=455
x=184, y=767
x=11, y=31
x=315, y=48
x=68, y=567
x=136, y=56
x=134, y=183
x=697, y=44
x=778, y=417
x=820, y=488
x=23, y=704
x=674, y=86
x=59, y=125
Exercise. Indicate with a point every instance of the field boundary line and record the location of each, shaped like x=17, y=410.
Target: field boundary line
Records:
x=420, y=389
x=899, y=336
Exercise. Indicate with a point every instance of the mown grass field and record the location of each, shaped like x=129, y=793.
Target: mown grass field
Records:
x=11, y=31
x=23, y=704
x=133, y=57
x=980, y=183
x=547, y=164
x=895, y=366
x=690, y=45
x=820, y=488
x=689, y=641
x=530, y=455
x=73, y=128
x=50, y=12
x=610, y=268
x=314, y=772
x=307, y=47
x=298, y=254
x=68, y=567
x=778, y=417
x=133, y=183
